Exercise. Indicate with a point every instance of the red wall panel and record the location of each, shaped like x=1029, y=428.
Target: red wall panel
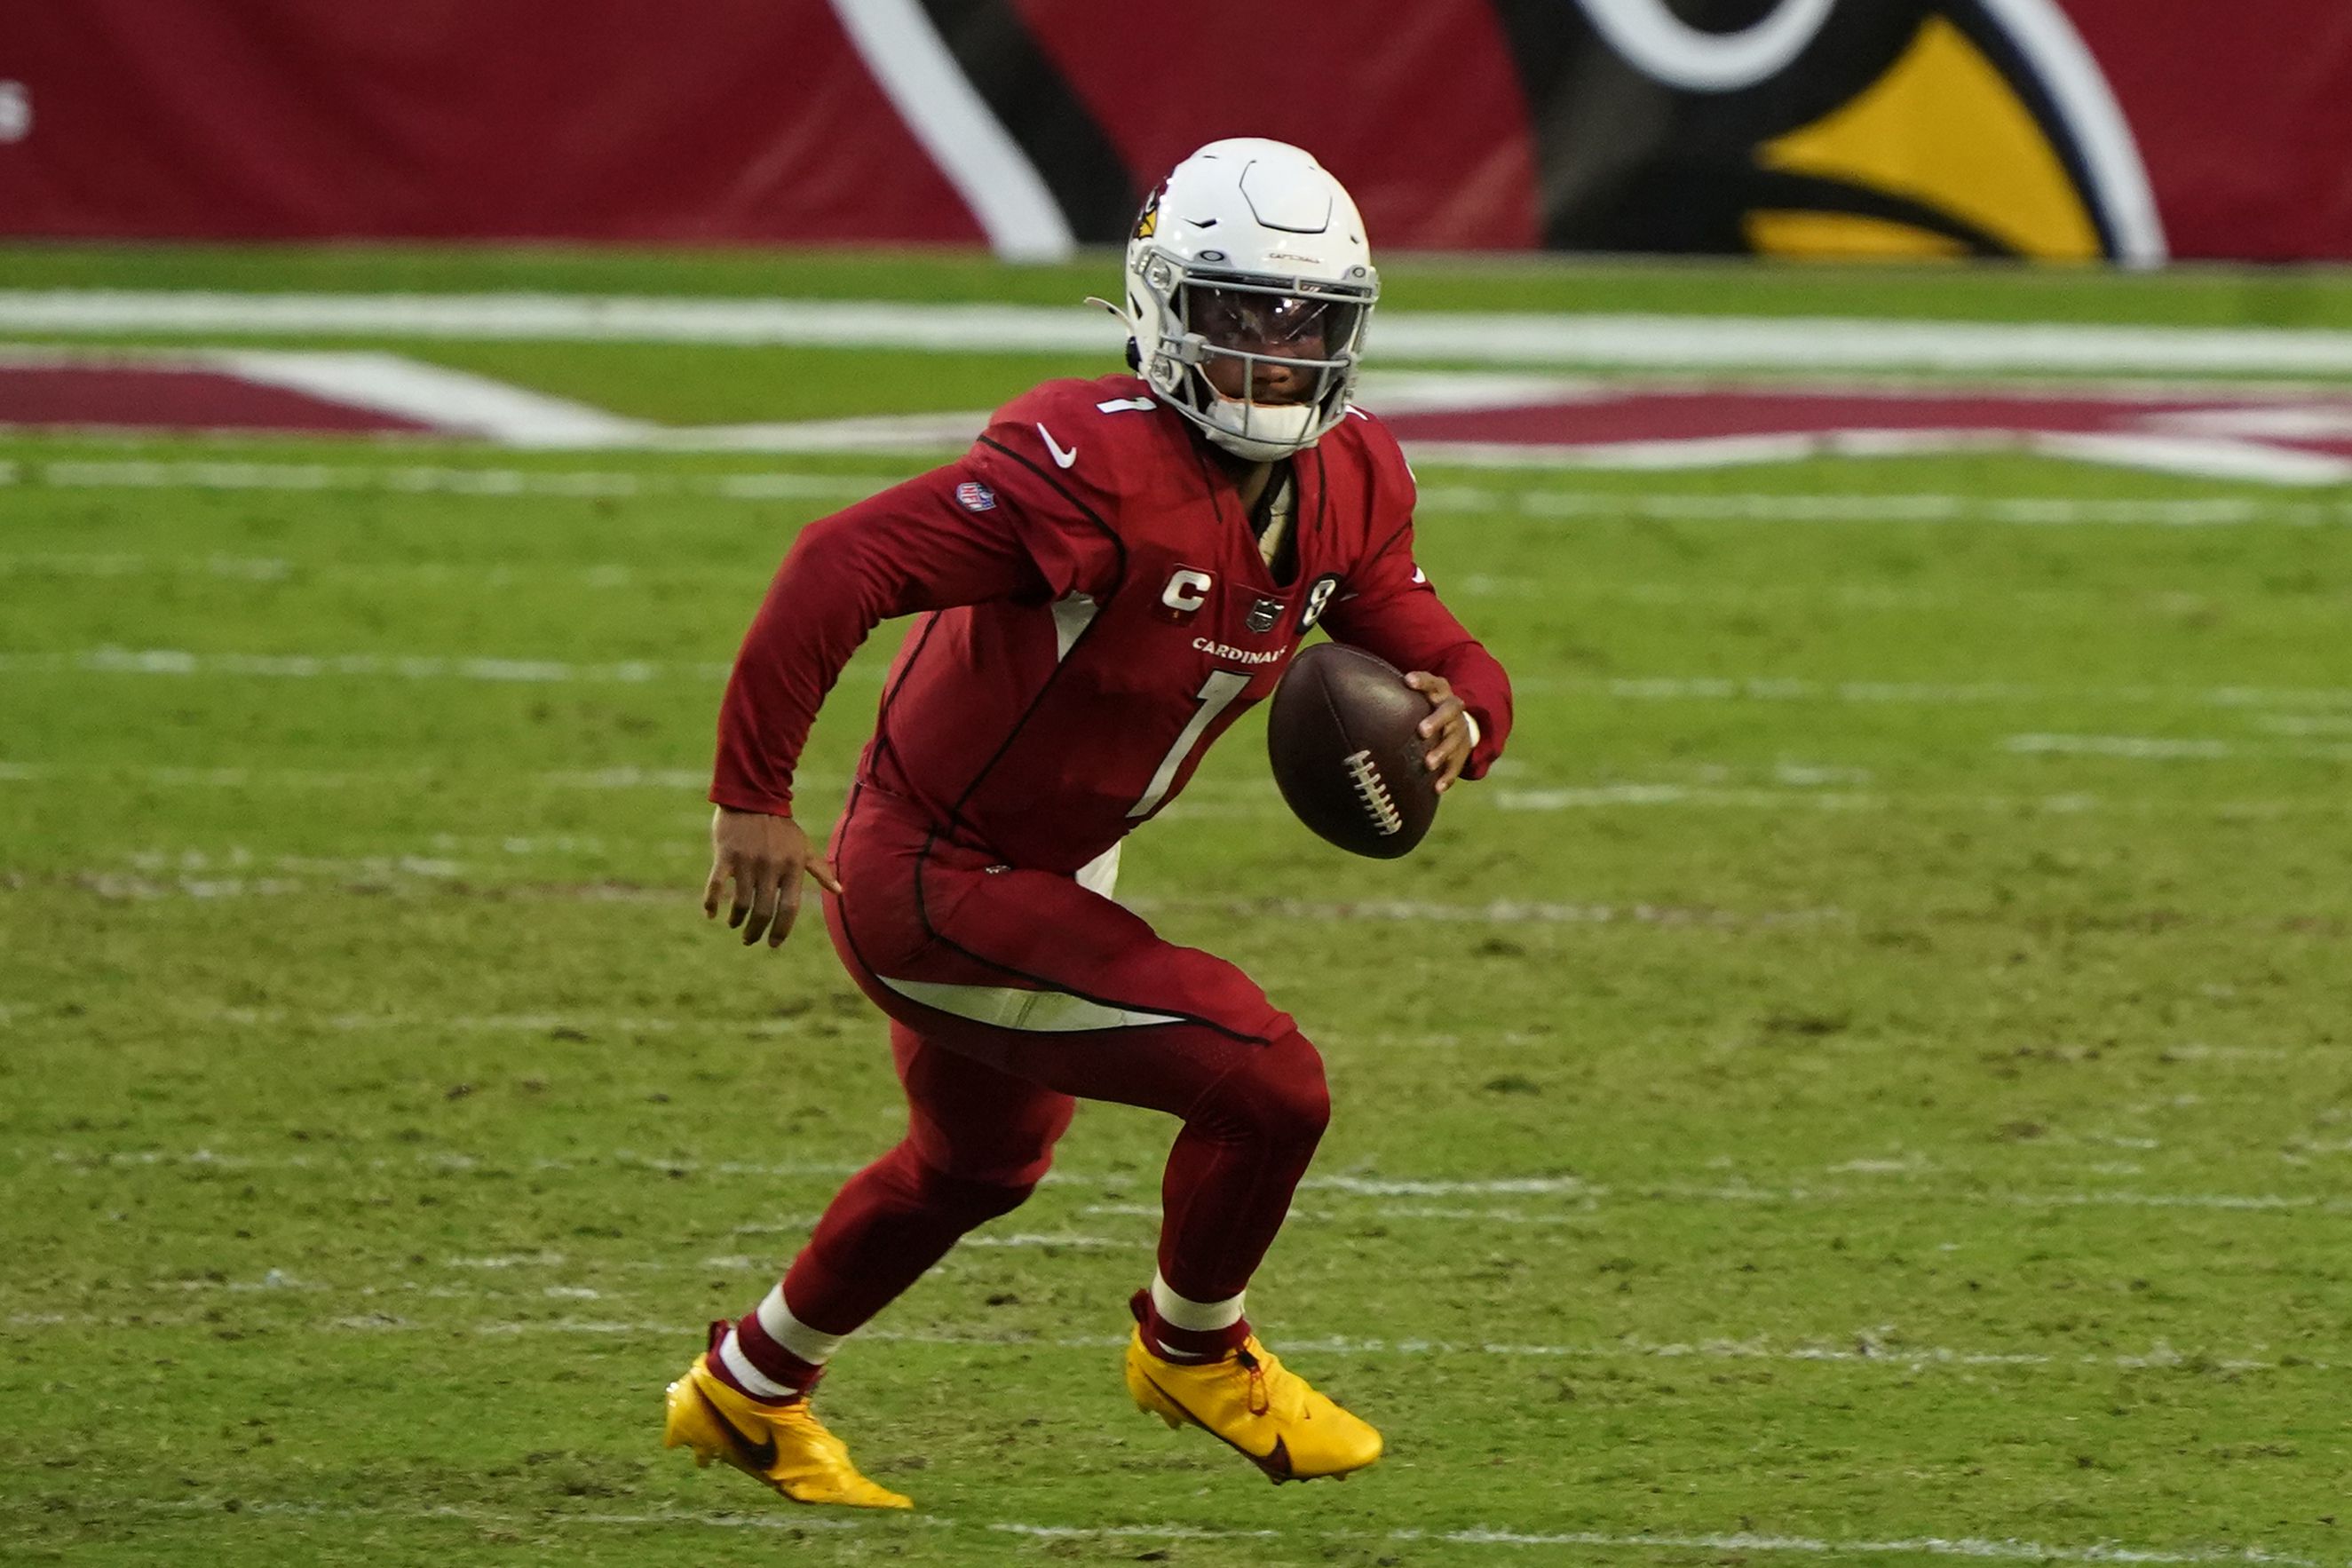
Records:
x=729, y=120
x=2243, y=117
x=1414, y=105
x=758, y=120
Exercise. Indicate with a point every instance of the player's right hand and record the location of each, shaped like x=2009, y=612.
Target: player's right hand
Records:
x=765, y=856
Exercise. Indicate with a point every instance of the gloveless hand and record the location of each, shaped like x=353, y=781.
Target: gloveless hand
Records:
x=1447, y=728
x=765, y=857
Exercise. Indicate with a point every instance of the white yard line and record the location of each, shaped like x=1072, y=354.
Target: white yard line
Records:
x=182, y=662
x=694, y=780
x=403, y=667
x=1499, y=911
x=1904, y=507
x=1568, y=1189
x=1540, y=501
x=185, y=662
x=423, y=478
x=1865, y=1348
x=241, y=568
x=2207, y=457
x=1815, y=343
x=2175, y=748
x=1251, y=801
x=220, y=1516
x=583, y=1025
x=1931, y=694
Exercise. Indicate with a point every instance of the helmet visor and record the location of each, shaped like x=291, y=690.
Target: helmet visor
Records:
x=1261, y=343
x=1248, y=321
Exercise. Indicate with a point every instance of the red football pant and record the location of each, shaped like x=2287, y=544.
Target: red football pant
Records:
x=1037, y=992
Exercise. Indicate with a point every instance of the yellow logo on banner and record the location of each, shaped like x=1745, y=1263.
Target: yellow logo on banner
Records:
x=1943, y=128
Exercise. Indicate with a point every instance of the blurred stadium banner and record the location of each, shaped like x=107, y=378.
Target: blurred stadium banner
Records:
x=2127, y=130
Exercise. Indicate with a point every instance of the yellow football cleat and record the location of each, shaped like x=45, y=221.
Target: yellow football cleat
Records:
x=782, y=1445
x=1253, y=1402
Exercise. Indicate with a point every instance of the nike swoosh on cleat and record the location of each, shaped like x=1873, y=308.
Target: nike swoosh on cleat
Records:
x=1275, y=1463
x=1062, y=459
x=759, y=1457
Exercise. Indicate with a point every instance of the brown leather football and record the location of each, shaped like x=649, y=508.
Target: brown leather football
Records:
x=1343, y=734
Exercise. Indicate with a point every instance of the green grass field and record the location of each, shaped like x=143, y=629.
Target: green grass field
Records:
x=1867, y=1081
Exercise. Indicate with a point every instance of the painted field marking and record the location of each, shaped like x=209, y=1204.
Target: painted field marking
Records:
x=1929, y=693
x=2248, y=461
x=243, y=568
x=1536, y=501
x=1929, y=508
x=582, y=1025
x=1206, y=799
x=434, y=396
x=1344, y=1185
x=403, y=667
x=1497, y=912
x=183, y=662
x=1441, y=416
x=797, y=1521
x=2173, y=748
x=1863, y=1348
x=478, y=483
x=441, y=876
x=1663, y=342
x=690, y=780
x=407, y=393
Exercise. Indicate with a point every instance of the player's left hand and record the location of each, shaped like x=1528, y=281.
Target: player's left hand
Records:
x=1447, y=728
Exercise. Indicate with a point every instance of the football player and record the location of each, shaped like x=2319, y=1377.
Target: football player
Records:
x=1101, y=586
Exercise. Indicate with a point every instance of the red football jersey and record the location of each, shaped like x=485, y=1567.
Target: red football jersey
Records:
x=1095, y=613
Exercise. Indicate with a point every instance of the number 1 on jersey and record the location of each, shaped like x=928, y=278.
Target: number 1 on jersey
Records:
x=1216, y=694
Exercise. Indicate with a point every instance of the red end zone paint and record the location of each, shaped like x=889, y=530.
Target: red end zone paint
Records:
x=164, y=398
x=1612, y=415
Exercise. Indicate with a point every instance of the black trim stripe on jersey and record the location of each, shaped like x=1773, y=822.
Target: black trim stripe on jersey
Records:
x=1382, y=549
x=1322, y=508
x=882, y=742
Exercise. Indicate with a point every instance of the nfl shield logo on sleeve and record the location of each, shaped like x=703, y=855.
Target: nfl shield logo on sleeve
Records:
x=975, y=495
x=1262, y=614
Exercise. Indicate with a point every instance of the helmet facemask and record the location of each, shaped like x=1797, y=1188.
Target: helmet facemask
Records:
x=1263, y=365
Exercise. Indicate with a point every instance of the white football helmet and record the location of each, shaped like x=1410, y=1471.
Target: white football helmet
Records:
x=1248, y=288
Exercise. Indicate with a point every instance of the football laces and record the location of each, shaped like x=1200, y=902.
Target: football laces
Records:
x=1374, y=791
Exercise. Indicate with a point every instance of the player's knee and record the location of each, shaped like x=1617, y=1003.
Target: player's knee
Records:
x=1282, y=1097
x=972, y=1199
x=1301, y=1100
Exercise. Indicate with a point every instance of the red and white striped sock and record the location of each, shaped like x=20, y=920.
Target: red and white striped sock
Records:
x=771, y=1356
x=1189, y=1332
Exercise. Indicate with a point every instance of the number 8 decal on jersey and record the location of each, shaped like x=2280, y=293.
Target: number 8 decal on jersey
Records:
x=1319, y=599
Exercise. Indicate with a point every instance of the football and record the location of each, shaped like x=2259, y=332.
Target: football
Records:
x=1343, y=736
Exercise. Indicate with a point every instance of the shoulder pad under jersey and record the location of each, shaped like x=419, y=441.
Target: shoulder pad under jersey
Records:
x=1091, y=439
